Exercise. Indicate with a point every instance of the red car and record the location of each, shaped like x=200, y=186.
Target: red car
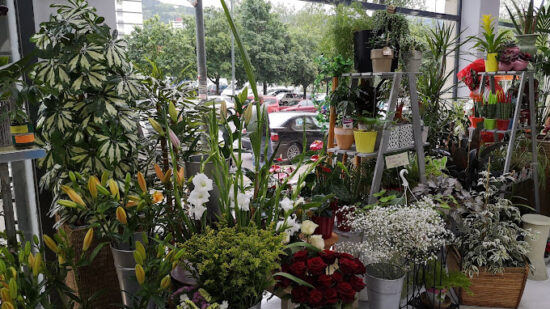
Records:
x=272, y=103
x=302, y=106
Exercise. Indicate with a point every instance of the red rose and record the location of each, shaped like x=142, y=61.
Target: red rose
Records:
x=328, y=256
x=357, y=283
x=359, y=267
x=346, y=255
x=283, y=282
x=315, y=298
x=330, y=296
x=347, y=266
x=298, y=269
x=299, y=295
x=316, y=266
x=346, y=292
x=337, y=276
x=325, y=280
x=300, y=256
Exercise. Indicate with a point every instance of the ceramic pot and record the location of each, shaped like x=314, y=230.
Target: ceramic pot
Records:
x=503, y=124
x=491, y=63
x=527, y=43
x=384, y=292
x=540, y=227
x=489, y=124
x=414, y=61
x=326, y=225
x=519, y=65
x=474, y=121
x=361, y=50
x=381, y=59
x=365, y=141
x=344, y=138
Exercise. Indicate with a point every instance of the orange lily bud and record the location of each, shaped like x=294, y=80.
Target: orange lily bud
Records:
x=93, y=181
x=180, y=176
x=7, y=305
x=165, y=282
x=141, y=182
x=75, y=197
x=140, y=274
x=158, y=171
x=121, y=215
x=166, y=178
x=113, y=186
x=88, y=239
x=50, y=243
x=131, y=203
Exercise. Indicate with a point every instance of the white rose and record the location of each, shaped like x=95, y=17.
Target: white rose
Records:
x=202, y=182
x=317, y=241
x=308, y=227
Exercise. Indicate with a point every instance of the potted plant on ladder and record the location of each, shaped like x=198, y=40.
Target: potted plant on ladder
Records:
x=381, y=54
x=491, y=43
x=525, y=22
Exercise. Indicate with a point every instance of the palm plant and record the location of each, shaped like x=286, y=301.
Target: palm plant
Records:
x=526, y=21
x=491, y=42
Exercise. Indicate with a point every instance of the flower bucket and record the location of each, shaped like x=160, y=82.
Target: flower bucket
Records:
x=344, y=138
x=365, y=141
x=491, y=64
x=126, y=273
x=527, y=43
x=474, y=121
x=503, y=124
x=326, y=225
x=381, y=60
x=489, y=124
x=384, y=293
x=414, y=61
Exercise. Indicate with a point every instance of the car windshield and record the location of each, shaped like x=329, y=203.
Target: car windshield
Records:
x=277, y=120
x=270, y=100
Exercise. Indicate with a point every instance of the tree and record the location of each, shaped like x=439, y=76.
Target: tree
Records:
x=173, y=50
x=218, y=45
x=266, y=39
x=301, y=66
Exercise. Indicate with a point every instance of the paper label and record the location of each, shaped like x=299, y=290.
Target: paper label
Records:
x=347, y=123
x=386, y=51
x=396, y=160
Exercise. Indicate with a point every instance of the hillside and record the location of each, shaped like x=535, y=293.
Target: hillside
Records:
x=166, y=12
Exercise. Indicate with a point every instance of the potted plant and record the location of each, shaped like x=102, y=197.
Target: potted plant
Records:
x=438, y=281
x=313, y=278
x=381, y=54
x=411, y=54
x=488, y=225
x=491, y=43
x=344, y=98
x=233, y=264
x=365, y=135
x=394, y=236
x=511, y=58
x=392, y=29
x=525, y=22
x=490, y=106
x=504, y=112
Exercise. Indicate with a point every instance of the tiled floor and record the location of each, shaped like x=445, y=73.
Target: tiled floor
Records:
x=535, y=296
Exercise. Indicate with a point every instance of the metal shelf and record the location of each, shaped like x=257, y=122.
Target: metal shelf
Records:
x=11, y=153
x=505, y=73
x=379, y=74
x=352, y=152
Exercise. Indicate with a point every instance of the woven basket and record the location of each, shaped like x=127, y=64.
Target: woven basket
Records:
x=5, y=135
x=100, y=276
x=492, y=290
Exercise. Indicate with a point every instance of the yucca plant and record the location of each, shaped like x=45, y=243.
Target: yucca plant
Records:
x=525, y=20
x=86, y=118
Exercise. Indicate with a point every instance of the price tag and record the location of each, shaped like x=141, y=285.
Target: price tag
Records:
x=347, y=123
x=396, y=160
x=386, y=51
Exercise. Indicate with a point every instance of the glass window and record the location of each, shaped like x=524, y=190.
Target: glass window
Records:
x=310, y=124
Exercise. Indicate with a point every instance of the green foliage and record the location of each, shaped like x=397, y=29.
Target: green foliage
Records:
x=436, y=276
x=12, y=88
x=172, y=50
x=165, y=11
x=233, y=263
x=88, y=90
x=391, y=28
x=491, y=41
x=528, y=20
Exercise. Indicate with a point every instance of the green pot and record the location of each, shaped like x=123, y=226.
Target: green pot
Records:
x=527, y=43
x=489, y=124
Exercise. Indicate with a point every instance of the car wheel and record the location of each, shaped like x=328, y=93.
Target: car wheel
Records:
x=293, y=151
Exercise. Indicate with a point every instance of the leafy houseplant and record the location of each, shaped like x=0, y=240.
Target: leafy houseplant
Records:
x=490, y=107
x=491, y=43
x=365, y=136
x=307, y=278
x=526, y=21
x=410, y=54
x=233, y=263
x=88, y=89
x=381, y=54
x=438, y=282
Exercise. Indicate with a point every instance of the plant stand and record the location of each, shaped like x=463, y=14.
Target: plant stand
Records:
x=524, y=77
x=386, y=132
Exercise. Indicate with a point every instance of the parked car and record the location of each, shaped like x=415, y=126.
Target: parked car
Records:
x=289, y=99
x=272, y=103
x=302, y=106
x=287, y=132
x=275, y=91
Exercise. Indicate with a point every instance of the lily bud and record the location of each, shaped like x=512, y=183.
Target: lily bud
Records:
x=174, y=139
x=141, y=249
x=7, y=305
x=61, y=259
x=104, y=178
x=121, y=215
x=92, y=186
x=30, y=259
x=141, y=182
x=113, y=186
x=75, y=197
x=5, y=294
x=158, y=171
x=173, y=112
x=103, y=190
x=180, y=176
x=66, y=203
x=140, y=274
x=138, y=258
x=13, y=288
x=165, y=282
x=88, y=239
x=166, y=178
x=50, y=243
x=156, y=126
x=37, y=264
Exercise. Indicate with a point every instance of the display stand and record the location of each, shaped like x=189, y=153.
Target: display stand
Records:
x=525, y=77
x=384, y=140
x=9, y=155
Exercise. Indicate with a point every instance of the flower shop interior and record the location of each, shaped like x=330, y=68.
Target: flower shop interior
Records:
x=381, y=154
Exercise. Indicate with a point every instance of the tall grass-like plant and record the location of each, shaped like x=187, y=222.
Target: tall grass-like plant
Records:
x=525, y=20
x=491, y=41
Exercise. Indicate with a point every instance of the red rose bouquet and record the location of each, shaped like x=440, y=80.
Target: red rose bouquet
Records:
x=320, y=279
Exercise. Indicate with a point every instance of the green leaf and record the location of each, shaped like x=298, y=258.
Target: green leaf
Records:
x=294, y=278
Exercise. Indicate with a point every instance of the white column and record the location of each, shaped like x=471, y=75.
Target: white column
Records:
x=472, y=12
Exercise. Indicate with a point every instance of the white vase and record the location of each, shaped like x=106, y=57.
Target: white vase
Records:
x=539, y=226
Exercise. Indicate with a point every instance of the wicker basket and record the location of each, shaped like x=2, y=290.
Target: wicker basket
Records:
x=100, y=276
x=5, y=135
x=489, y=290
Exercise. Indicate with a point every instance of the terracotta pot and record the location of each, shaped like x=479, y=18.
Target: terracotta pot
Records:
x=381, y=60
x=474, y=121
x=326, y=225
x=344, y=138
x=503, y=124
